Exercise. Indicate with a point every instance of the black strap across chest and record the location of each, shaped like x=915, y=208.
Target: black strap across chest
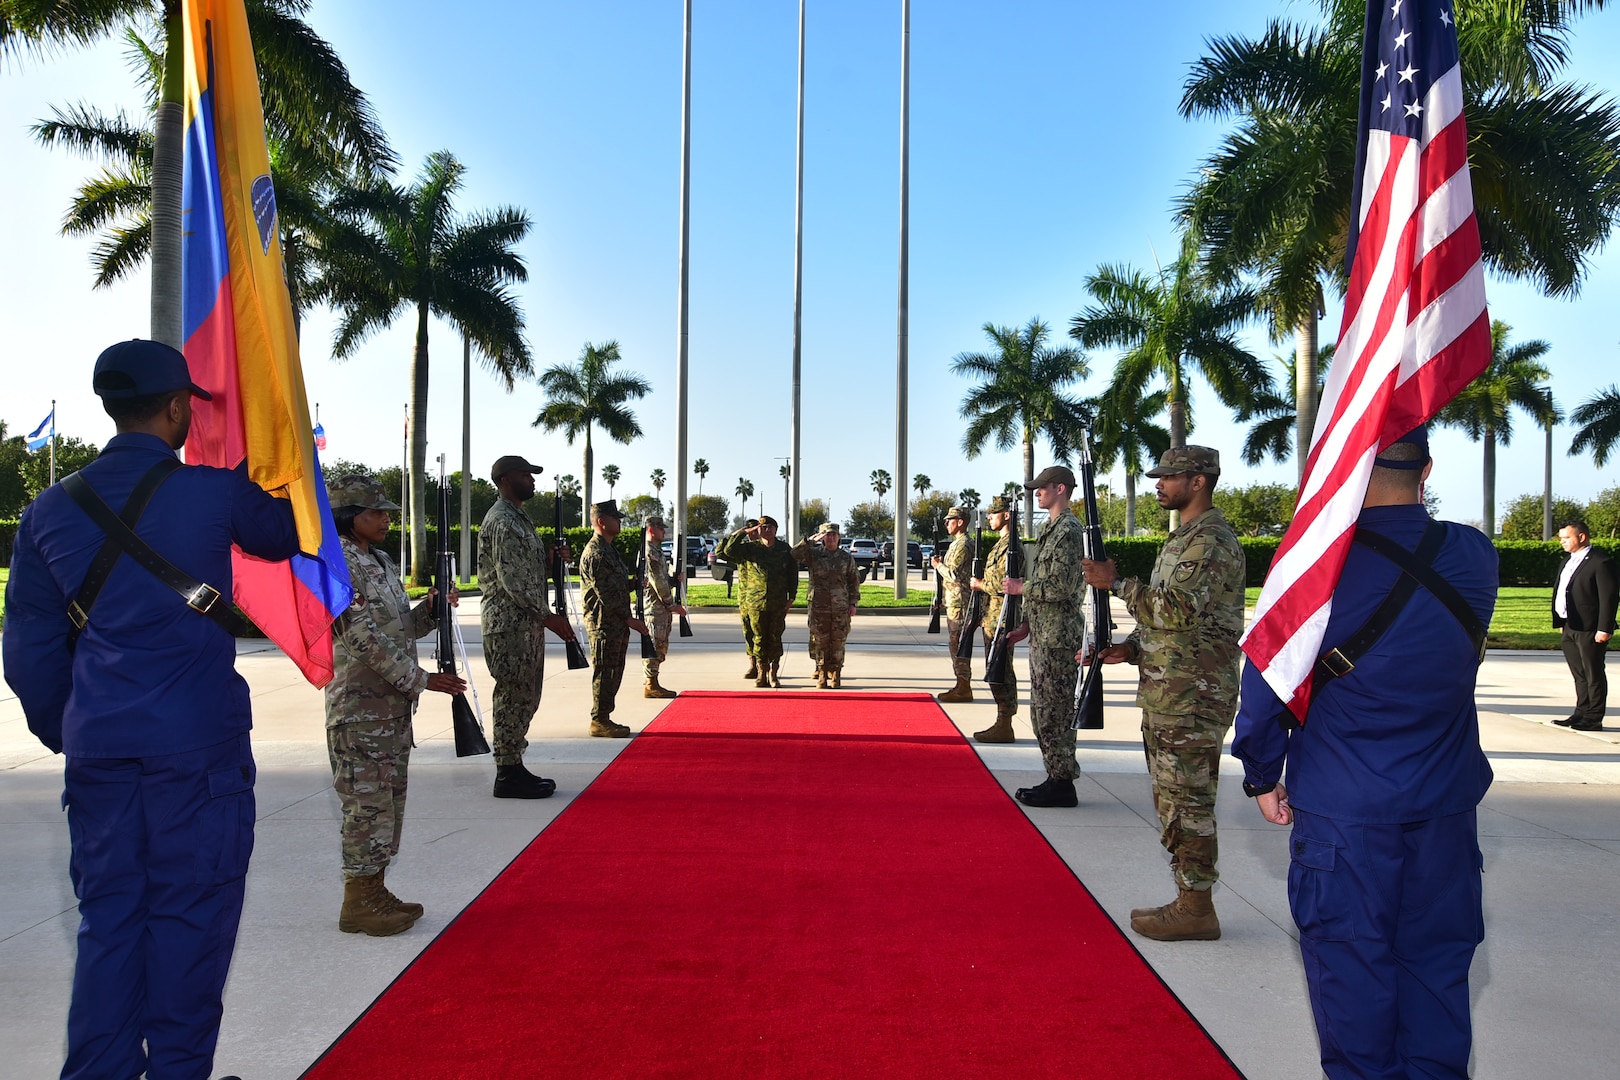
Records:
x=1417, y=569
x=121, y=539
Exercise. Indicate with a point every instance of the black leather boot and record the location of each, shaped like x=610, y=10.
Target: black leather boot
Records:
x=516, y=782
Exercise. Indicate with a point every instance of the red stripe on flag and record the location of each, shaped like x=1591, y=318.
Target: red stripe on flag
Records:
x=1444, y=156
x=1442, y=268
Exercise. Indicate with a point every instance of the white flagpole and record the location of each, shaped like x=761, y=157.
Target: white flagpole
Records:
x=902, y=479
x=681, y=293
x=53, y=440
x=798, y=298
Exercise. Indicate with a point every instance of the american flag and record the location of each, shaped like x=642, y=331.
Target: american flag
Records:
x=1415, y=328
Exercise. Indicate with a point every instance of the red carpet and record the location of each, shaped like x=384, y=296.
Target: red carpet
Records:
x=783, y=885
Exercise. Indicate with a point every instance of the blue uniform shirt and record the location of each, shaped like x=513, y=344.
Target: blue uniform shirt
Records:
x=1397, y=739
x=149, y=675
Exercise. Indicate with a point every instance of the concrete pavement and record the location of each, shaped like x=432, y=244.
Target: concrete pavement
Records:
x=1542, y=983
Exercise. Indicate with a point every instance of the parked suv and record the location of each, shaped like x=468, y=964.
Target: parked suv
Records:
x=913, y=553
x=865, y=552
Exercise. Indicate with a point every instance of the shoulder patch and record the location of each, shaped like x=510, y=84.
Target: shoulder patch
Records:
x=358, y=602
x=1186, y=570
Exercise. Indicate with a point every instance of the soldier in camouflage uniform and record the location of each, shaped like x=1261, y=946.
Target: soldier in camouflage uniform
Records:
x=376, y=681
x=1055, y=623
x=662, y=605
x=605, y=595
x=835, y=589
x=738, y=577
x=515, y=614
x=1005, y=694
x=955, y=570
x=764, y=594
x=1189, y=616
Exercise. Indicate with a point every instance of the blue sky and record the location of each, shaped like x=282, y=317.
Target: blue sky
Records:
x=1045, y=141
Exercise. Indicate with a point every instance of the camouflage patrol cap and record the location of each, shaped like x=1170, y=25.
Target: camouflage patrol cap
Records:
x=998, y=504
x=828, y=527
x=657, y=523
x=956, y=513
x=360, y=491
x=511, y=463
x=1052, y=474
x=1188, y=459
x=750, y=523
x=608, y=508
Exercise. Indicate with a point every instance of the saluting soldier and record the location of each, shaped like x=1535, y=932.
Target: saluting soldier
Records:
x=376, y=682
x=605, y=596
x=737, y=577
x=1189, y=616
x=515, y=614
x=835, y=590
x=765, y=594
x=955, y=570
x=1055, y=623
x=661, y=605
x=998, y=515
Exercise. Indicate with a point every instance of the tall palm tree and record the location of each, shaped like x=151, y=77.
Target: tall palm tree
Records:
x=589, y=395
x=1020, y=398
x=1167, y=325
x=1483, y=410
x=920, y=484
x=744, y=491
x=701, y=467
x=969, y=498
x=1125, y=432
x=393, y=249
x=1599, y=417
x=310, y=106
x=610, y=477
x=1274, y=199
x=658, y=482
x=881, y=482
x=1275, y=415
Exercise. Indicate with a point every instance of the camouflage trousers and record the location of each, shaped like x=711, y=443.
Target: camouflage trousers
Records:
x=659, y=620
x=1184, y=764
x=763, y=628
x=607, y=669
x=1051, y=708
x=829, y=627
x=370, y=765
x=961, y=666
x=1005, y=694
x=517, y=663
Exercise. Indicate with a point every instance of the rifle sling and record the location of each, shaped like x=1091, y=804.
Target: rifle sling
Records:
x=121, y=539
x=1417, y=568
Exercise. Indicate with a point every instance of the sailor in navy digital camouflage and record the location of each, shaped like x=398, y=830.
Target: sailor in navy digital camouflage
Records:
x=1189, y=616
x=835, y=591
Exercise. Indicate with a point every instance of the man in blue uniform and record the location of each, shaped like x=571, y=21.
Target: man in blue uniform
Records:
x=144, y=699
x=1383, y=781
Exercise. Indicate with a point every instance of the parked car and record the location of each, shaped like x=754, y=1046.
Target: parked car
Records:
x=913, y=553
x=865, y=551
x=927, y=553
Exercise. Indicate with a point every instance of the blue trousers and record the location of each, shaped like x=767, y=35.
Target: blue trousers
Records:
x=160, y=858
x=1389, y=917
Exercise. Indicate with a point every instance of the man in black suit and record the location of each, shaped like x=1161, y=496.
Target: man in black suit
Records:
x=1584, y=600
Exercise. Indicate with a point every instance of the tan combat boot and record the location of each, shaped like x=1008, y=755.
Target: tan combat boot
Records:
x=1001, y=731
x=653, y=690
x=753, y=669
x=837, y=678
x=962, y=691
x=607, y=729
x=367, y=910
x=413, y=910
x=821, y=677
x=776, y=677
x=1190, y=918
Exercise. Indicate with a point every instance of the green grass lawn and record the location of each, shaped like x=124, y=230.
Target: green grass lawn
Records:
x=879, y=596
x=1523, y=618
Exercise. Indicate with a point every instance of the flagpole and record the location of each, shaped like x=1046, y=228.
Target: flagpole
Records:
x=792, y=508
x=465, y=576
x=901, y=480
x=681, y=291
x=405, y=495
x=53, y=440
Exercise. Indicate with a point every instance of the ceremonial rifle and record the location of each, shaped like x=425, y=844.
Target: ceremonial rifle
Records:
x=1088, y=687
x=939, y=589
x=469, y=731
x=997, y=665
x=679, y=589
x=559, y=578
x=973, y=617
x=649, y=651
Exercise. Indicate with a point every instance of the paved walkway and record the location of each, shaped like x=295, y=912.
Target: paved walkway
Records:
x=1542, y=984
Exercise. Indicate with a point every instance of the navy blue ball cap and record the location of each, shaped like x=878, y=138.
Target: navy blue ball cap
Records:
x=1418, y=437
x=141, y=368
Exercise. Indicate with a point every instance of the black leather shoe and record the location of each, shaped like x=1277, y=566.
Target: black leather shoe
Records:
x=1049, y=792
x=516, y=782
x=1568, y=721
x=1585, y=725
